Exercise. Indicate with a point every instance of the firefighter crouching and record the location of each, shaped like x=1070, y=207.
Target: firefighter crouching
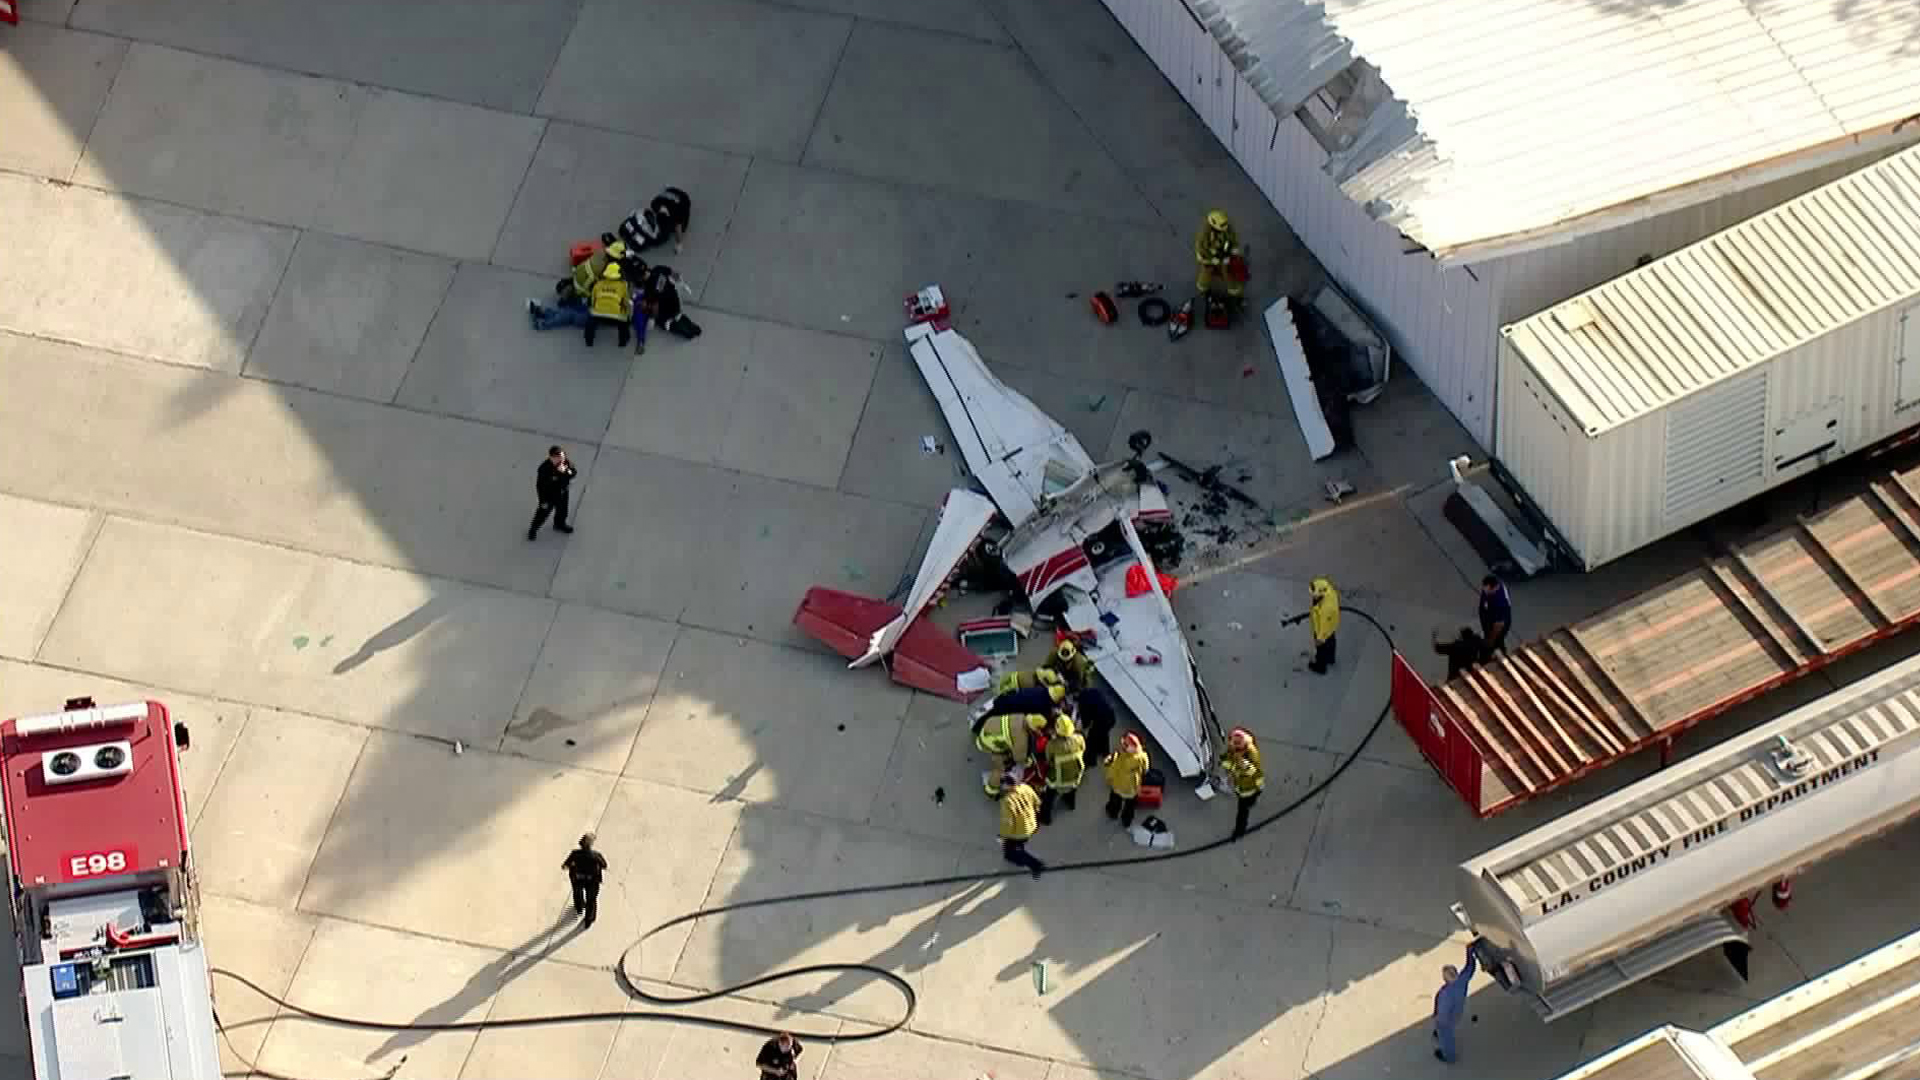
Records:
x=1044, y=697
x=1007, y=738
x=1242, y=762
x=1071, y=665
x=1066, y=765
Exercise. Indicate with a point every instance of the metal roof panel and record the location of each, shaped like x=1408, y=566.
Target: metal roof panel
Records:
x=1733, y=300
x=1519, y=116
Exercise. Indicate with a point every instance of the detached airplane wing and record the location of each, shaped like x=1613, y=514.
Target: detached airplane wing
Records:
x=963, y=517
x=1017, y=451
x=1143, y=657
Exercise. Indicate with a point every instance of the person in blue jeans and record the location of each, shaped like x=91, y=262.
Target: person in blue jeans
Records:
x=1451, y=1001
x=569, y=311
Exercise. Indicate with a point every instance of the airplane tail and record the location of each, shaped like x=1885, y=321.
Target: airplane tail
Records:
x=923, y=657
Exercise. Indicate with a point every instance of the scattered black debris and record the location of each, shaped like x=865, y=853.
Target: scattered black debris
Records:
x=1073, y=296
x=840, y=727
x=570, y=742
x=1209, y=481
x=1202, y=644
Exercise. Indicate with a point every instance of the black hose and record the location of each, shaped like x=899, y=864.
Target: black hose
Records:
x=911, y=1000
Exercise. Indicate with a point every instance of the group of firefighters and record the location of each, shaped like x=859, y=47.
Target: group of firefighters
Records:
x=1037, y=753
x=611, y=284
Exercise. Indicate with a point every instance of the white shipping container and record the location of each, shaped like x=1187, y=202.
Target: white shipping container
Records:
x=1731, y=366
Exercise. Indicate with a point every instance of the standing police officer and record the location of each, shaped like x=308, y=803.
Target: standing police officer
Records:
x=585, y=867
x=550, y=485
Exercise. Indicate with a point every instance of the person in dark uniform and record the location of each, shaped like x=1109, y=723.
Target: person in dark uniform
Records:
x=778, y=1059
x=660, y=301
x=1095, y=721
x=585, y=867
x=665, y=218
x=550, y=486
x=1496, y=615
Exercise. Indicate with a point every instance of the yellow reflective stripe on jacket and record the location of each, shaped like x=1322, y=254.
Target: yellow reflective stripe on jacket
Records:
x=611, y=299
x=997, y=736
x=1019, y=813
x=1065, y=765
x=1249, y=775
x=1124, y=773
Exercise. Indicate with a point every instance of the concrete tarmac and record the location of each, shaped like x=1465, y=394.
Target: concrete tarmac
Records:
x=273, y=409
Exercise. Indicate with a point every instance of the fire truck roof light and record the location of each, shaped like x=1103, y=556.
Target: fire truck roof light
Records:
x=80, y=720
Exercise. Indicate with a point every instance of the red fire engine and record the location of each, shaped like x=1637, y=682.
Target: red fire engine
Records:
x=105, y=912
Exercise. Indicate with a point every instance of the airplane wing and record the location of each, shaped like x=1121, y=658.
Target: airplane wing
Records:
x=963, y=517
x=1164, y=695
x=1017, y=451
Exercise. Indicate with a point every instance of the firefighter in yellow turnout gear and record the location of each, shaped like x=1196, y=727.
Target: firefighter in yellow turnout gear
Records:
x=1019, y=820
x=1242, y=762
x=1066, y=765
x=1213, y=249
x=1126, y=767
x=1007, y=738
x=1068, y=663
x=1323, y=615
x=611, y=301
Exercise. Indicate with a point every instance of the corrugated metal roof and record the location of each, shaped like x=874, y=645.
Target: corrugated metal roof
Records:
x=1513, y=116
x=1734, y=300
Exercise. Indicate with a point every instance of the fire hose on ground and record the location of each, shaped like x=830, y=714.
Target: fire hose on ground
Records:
x=910, y=1000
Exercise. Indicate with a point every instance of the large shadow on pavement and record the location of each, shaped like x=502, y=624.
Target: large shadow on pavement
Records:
x=719, y=756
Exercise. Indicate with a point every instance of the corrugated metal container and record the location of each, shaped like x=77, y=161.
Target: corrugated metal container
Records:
x=1753, y=357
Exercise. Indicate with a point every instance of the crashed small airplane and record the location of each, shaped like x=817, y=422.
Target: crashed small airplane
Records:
x=1061, y=531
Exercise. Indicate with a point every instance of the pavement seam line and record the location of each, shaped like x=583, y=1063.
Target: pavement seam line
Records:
x=286, y=268
x=195, y=812
x=706, y=899
x=500, y=234
x=333, y=816
x=553, y=65
x=1041, y=76
x=893, y=752
x=1326, y=1002
x=726, y=231
x=100, y=111
x=453, y=275
x=646, y=714
x=533, y=667
x=96, y=525
x=293, y=973
x=891, y=24
x=1300, y=871
x=826, y=93
x=846, y=459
